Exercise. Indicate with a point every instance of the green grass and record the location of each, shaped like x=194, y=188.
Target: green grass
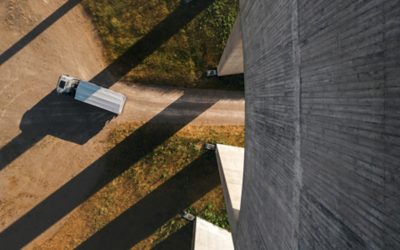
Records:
x=183, y=59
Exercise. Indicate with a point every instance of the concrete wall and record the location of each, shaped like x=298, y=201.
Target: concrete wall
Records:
x=322, y=163
x=231, y=61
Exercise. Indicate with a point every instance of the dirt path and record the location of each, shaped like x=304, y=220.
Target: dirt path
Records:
x=45, y=139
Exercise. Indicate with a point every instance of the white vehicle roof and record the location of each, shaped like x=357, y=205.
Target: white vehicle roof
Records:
x=100, y=97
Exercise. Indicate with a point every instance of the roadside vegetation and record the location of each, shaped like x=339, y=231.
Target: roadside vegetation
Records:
x=148, y=176
x=184, y=58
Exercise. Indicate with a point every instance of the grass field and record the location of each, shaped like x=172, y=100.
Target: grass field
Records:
x=177, y=175
x=180, y=42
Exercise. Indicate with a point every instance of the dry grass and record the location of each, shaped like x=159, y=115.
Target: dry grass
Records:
x=181, y=60
x=143, y=178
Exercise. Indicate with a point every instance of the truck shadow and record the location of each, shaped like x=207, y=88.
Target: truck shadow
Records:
x=59, y=116
x=70, y=120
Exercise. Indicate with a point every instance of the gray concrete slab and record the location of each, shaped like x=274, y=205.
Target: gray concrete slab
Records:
x=322, y=125
x=230, y=165
x=208, y=236
x=231, y=61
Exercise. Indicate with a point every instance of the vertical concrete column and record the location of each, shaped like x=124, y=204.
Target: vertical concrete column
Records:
x=231, y=61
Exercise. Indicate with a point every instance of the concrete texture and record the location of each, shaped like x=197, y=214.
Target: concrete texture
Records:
x=230, y=165
x=208, y=236
x=322, y=125
x=231, y=61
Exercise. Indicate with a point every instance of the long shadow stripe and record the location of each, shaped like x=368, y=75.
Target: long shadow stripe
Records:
x=154, y=210
x=94, y=177
x=161, y=33
x=39, y=29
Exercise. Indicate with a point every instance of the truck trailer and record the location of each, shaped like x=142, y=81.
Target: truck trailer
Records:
x=91, y=93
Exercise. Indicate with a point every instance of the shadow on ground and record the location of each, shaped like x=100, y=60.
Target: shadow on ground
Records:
x=137, y=145
x=65, y=118
x=181, y=239
x=77, y=122
x=154, y=210
x=39, y=29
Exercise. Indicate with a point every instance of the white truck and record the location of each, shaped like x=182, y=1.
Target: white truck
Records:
x=91, y=93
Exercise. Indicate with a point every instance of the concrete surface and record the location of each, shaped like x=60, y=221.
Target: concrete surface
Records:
x=208, y=236
x=322, y=125
x=230, y=165
x=231, y=61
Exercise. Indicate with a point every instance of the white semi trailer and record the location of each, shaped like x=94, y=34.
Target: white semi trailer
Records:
x=91, y=93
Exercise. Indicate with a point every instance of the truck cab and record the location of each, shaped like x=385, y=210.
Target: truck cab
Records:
x=91, y=93
x=67, y=85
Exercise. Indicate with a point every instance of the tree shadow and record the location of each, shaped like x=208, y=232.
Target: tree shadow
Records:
x=39, y=29
x=154, y=210
x=70, y=120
